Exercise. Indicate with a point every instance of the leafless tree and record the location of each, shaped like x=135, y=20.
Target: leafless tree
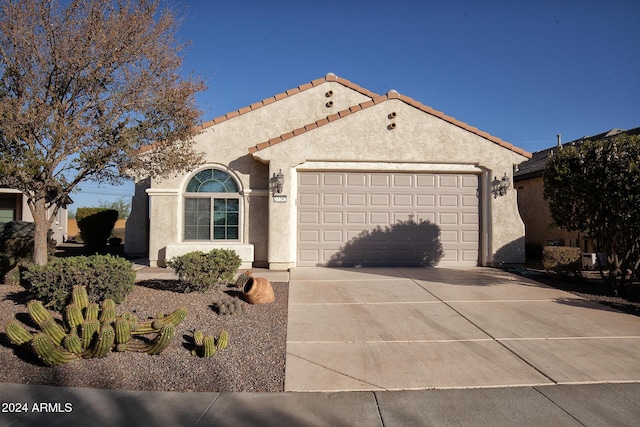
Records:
x=83, y=88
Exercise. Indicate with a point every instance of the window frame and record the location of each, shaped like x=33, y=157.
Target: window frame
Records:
x=212, y=197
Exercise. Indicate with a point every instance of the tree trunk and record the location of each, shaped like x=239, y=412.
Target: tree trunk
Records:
x=41, y=236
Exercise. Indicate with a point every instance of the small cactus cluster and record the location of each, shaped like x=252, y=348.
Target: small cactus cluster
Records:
x=228, y=308
x=207, y=345
x=242, y=279
x=90, y=330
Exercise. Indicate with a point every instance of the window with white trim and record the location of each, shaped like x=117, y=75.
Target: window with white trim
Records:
x=212, y=207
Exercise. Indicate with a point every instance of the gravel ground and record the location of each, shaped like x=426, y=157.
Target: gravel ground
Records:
x=253, y=362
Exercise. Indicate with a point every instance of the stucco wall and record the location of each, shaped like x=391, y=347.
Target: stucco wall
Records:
x=418, y=138
x=419, y=141
x=537, y=217
x=226, y=147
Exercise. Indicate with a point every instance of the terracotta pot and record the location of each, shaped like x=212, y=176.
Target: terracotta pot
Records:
x=258, y=290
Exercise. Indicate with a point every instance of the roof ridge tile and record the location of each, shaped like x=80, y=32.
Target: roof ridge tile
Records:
x=378, y=99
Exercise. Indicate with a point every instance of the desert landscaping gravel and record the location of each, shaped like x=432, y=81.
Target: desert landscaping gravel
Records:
x=253, y=362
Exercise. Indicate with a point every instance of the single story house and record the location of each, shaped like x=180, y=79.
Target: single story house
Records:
x=534, y=210
x=13, y=207
x=329, y=173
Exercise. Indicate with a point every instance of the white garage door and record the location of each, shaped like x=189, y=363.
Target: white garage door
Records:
x=387, y=219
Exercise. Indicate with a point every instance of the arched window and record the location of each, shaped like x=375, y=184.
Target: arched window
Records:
x=212, y=207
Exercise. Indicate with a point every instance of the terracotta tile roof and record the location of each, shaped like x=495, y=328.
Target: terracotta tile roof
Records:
x=379, y=99
x=375, y=99
x=328, y=78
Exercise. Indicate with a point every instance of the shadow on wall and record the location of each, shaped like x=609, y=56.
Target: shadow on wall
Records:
x=403, y=244
x=511, y=253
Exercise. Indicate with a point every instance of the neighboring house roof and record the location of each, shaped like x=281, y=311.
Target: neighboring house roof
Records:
x=534, y=167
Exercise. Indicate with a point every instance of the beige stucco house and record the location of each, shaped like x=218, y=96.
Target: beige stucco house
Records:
x=330, y=173
x=534, y=209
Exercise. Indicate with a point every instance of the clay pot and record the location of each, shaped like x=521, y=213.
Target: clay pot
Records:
x=258, y=290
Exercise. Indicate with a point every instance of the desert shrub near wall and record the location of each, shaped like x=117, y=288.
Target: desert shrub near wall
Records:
x=200, y=271
x=562, y=259
x=104, y=276
x=16, y=247
x=95, y=226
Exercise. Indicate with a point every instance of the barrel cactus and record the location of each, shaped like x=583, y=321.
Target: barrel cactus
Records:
x=90, y=330
x=207, y=345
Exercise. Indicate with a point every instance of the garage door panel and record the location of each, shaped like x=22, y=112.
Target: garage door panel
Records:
x=332, y=217
x=332, y=199
x=309, y=199
x=448, y=200
x=448, y=181
x=332, y=236
x=380, y=180
x=403, y=180
x=356, y=180
x=449, y=236
x=470, y=201
x=426, y=216
x=332, y=179
x=469, y=219
x=448, y=218
x=426, y=200
x=401, y=216
x=309, y=218
x=311, y=179
x=380, y=199
x=356, y=199
x=428, y=181
x=380, y=218
x=402, y=200
x=470, y=181
x=361, y=218
x=309, y=255
x=312, y=236
x=354, y=218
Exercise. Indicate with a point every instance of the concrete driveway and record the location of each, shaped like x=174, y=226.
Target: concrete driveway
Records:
x=405, y=328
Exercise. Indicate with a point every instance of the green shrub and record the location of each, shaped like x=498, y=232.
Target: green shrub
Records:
x=16, y=246
x=200, y=271
x=104, y=276
x=562, y=259
x=95, y=226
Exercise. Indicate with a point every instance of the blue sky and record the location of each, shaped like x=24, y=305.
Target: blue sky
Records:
x=524, y=71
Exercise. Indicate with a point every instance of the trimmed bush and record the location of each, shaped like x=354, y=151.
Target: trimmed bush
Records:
x=16, y=247
x=95, y=226
x=104, y=276
x=200, y=271
x=562, y=259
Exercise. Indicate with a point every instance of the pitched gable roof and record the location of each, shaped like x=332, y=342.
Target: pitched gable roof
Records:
x=330, y=77
x=377, y=99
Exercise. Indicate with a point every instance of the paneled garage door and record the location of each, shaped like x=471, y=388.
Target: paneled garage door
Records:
x=387, y=219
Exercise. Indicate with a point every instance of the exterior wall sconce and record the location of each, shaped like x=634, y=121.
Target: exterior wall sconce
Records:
x=499, y=187
x=277, y=182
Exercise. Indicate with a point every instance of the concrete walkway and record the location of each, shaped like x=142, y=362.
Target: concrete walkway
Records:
x=408, y=329
x=571, y=405
x=502, y=351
